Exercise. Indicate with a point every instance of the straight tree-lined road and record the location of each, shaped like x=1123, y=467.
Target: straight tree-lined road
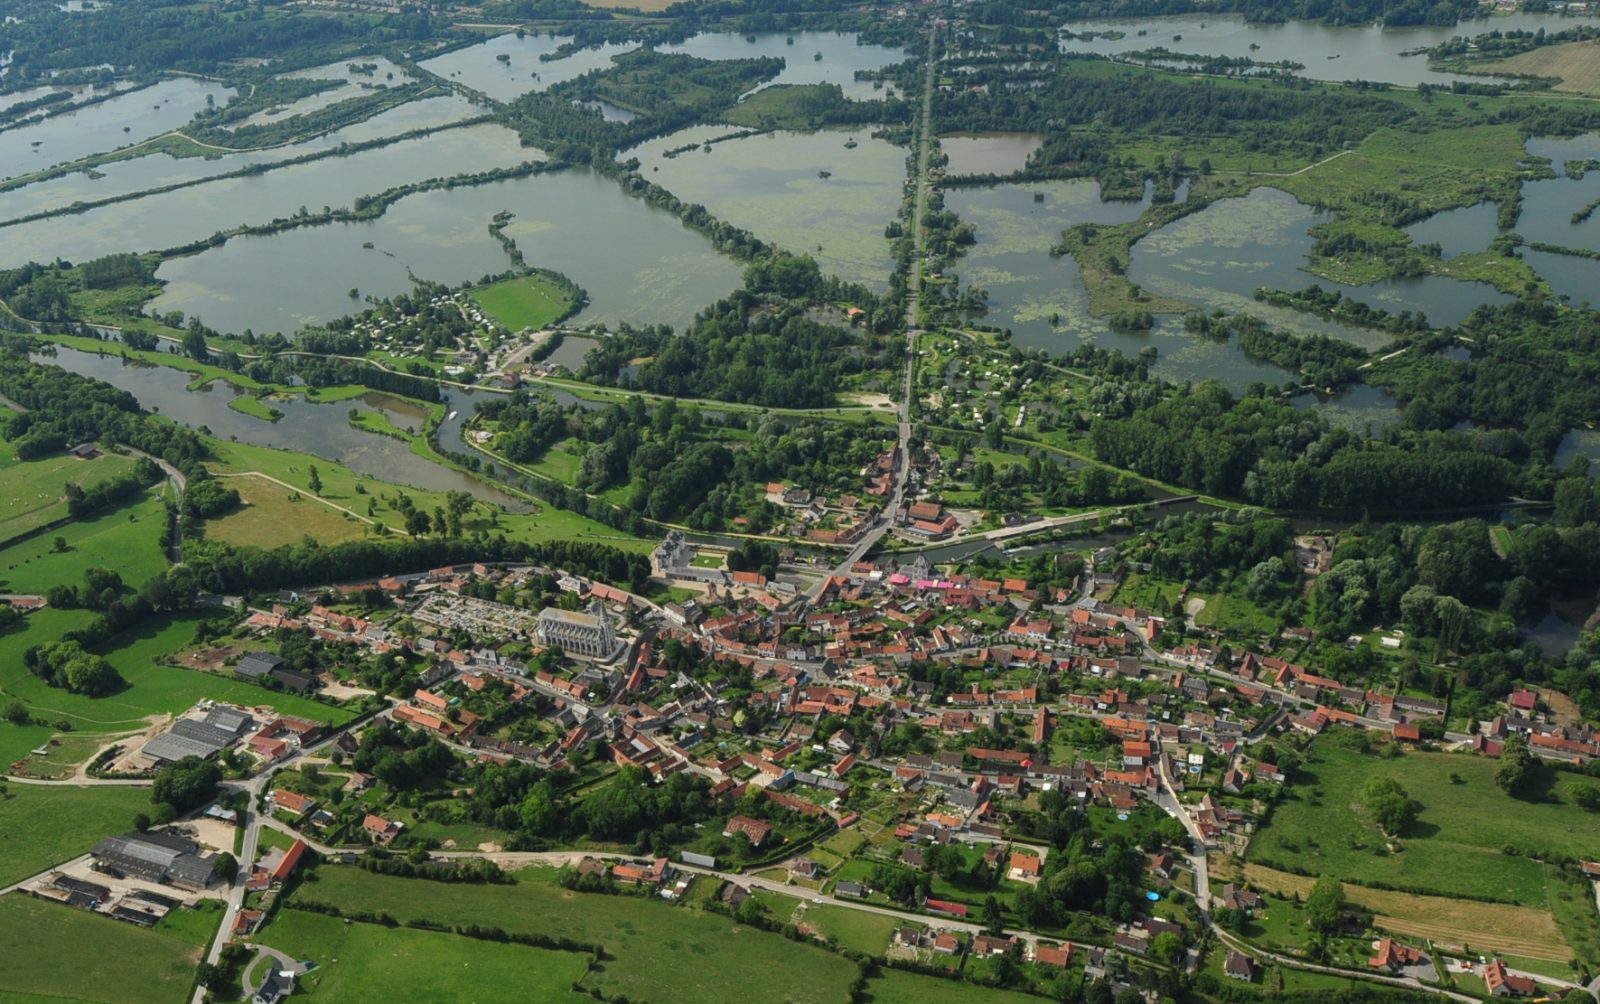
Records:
x=902, y=470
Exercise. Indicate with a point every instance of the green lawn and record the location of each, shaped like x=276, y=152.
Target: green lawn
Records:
x=154, y=689
x=707, y=956
x=855, y=930
x=126, y=539
x=527, y=302
x=60, y=952
x=1455, y=847
x=197, y=925
x=32, y=492
x=359, y=962
x=44, y=826
x=1227, y=612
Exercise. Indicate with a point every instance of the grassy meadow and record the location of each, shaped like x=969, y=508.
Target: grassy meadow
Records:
x=32, y=493
x=1455, y=848
x=44, y=826
x=368, y=962
x=154, y=689
x=710, y=957
x=57, y=952
x=530, y=301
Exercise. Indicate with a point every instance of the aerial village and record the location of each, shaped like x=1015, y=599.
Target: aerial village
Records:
x=888, y=734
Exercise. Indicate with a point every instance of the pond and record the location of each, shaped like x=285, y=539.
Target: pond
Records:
x=1458, y=231
x=1584, y=443
x=1217, y=259
x=176, y=218
x=773, y=185
x=1561, y=626
x=1361, y=407
x=638, y=264
x=988, y=153
x=107, y=125
x=320, y=429
x=522, y=71
x=571, y=351
x=155, y=170
x=1369, y=52
x=1042, y=300
x=810, y=57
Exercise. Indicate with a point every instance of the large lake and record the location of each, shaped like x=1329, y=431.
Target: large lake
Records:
x=639, y=264
x=773, y=185
x=177, y=218
x=155, y=170
x=107, y=125
x=1348, y=53
x=810, y=57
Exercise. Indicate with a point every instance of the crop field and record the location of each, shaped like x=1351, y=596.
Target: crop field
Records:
x=1576, y=63
x=32, y=493
x=89, y=957
x=1455, y=847
x=154, y=689
x=269, y=518
x=357, y=962
x=1520, y=930
x=527, y=302
x=710, y=957
x=125, y=538
x=43, y=826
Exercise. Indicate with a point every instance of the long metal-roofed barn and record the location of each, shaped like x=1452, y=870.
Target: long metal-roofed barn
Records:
x=156, y=857
x=202, y=737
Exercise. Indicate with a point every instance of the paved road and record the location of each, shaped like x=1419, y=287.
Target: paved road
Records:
x=902, y=471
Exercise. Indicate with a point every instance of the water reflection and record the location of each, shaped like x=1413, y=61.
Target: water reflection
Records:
x=1367, y=52
x=320, y=429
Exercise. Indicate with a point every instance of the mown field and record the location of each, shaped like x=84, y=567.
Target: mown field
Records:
x=269, y=518
x=530, y=301
x=360, y=962
x=1576, y=63
x=1455, y=848
x=44, y=826
x=1518, y=930
x=32, y=493
x=707, y=956
x=62, y=953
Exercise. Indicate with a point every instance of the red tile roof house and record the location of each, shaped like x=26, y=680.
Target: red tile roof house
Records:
x=1503, y=984
x=947, y=909
x=946, y=943
x=1025, y=867
x=293, y=802
x=381, y=830
x=653, y=875
x=1057, y=956
x=754, y=830
x=1523, y=700
x=1394, y=956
